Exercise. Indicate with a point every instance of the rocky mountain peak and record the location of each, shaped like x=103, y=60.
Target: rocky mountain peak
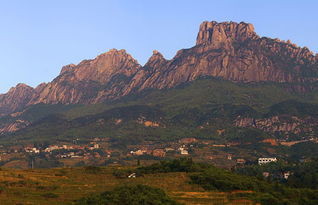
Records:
x=218, y=34
x=103, y=67
x=15, y=99
x=40, y=87
x=114, y=56
x=156, y=59
x=20, y=87
x=228, y=50
x=67, y=68
x=155, y=52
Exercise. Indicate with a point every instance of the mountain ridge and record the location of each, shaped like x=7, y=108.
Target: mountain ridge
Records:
x=229, y=50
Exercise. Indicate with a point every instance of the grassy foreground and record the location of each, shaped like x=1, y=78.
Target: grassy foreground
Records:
x=64, y=185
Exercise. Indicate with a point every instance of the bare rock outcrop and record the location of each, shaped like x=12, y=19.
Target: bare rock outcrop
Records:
x=229, y=50
x=283, y=124
x=16, y=99
x=14, y=126
x=90, y=81
x=219, y=35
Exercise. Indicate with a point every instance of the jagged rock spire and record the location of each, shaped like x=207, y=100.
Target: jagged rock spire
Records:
x=219, y=33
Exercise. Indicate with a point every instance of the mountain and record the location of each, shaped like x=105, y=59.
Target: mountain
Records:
x=228, y=50
x=16, y=99
x=200, y=109
x=231, y=87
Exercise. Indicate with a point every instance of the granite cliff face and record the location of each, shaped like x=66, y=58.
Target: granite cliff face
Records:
x=229, y=50
x=224, y=34
x=16, y=99
x=234, y=52
x=13, y=126
x=90, y=81
x=284, y=125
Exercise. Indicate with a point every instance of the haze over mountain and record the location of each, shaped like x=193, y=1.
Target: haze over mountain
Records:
x=229, y=50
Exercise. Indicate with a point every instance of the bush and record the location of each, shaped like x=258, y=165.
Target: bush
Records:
x=222, y=180
x=129, y=195
x=266, y=193
x=176, y=165
x=122, y=173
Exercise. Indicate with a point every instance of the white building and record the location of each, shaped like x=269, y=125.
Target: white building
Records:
x=51, y=148
x=184, y=152
x=266, y=160
x=286, y=175
x=32, y=150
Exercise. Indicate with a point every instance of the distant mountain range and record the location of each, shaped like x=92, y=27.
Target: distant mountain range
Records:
x=229, y=50
x=232, y=83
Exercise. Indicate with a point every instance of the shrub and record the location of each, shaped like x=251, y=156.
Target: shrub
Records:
x=129, y=195
x=176, y=165
x=121, y=173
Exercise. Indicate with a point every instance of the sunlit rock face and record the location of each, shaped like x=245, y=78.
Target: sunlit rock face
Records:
x=228, y=50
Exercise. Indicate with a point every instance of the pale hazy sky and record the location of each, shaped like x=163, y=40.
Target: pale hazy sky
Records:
x=38, y=37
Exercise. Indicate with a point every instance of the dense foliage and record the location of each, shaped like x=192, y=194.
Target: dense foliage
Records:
x=304, y=150
x=129, y=195
x=217, y=179
x=179, y=111
x=301, y=175
x=263, y=191
x=175, y=165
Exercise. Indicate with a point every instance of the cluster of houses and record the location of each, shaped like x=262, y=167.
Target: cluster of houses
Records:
x=51, y=148
x=67, y=151
x=158, y=152
x=260, y=161
x=281, y=175
x=180, y=148
x=183, y=147
x=32, y=150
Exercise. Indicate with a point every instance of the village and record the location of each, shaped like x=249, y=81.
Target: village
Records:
x=98, y=151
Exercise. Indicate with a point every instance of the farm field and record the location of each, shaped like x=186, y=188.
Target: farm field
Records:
x=64, y=185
